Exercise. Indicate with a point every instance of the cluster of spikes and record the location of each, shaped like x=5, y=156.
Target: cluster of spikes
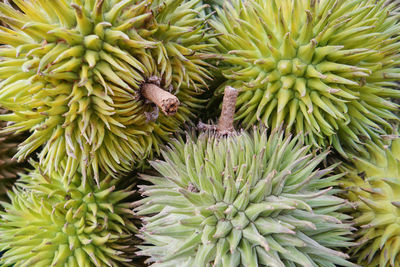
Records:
x=245, y=200
x=101, y=84
x=52, y=223
x=9, y=167
x=73, y=71
x=373, y=183
x=327, y=68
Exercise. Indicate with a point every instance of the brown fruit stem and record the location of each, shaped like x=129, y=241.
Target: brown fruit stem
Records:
x=225, y=122
x=166, y=101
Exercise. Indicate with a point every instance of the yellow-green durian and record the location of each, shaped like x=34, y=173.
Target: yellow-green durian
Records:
x=373, y=183
x=51, y=222
x=323, y=67
x=72, y=72
x=247, y=200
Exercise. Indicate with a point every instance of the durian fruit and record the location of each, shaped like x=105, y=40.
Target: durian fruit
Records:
x=79, y=76
x=52, y=223
x=240, y=199
x=323, y=67
x=9, y=167
x=247, y=200
x=373, y=183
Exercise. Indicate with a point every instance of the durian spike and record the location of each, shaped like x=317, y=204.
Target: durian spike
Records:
x=166, y=101
x=225, y=122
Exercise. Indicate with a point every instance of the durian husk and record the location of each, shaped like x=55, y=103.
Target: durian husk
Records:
x=72, y=73
x=247, y=199
x=372, y=182
x=53, y=222
x=327, y=68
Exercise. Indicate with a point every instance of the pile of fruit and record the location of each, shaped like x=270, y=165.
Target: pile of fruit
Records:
x=199, y=133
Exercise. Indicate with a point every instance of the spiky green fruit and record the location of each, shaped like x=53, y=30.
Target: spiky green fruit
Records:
x=323, y=67
x=72, y=73
x=9, y=167
x=373, y=183
x=52, y=223
x=246, y=200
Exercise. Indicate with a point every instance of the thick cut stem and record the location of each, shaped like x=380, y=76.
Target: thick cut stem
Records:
x=166, y=101
x=225, y=123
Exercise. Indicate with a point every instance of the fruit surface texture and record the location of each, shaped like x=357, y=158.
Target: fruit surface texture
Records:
x=323, y=67
x=245, y=200
x=72, y=73
x=52, y=223
x=373, y=183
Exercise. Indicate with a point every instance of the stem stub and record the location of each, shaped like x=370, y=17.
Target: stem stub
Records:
x=166, y=101
x=225, y=122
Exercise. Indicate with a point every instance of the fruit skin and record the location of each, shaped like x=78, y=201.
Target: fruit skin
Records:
x=73, y=78
x=9, y=167
x=373, y=183
x=51, y=223
x=323, y=67
x=246, y=200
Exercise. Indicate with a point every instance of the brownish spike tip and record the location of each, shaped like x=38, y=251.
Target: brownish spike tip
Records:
x=167, y=102
x=225, y=122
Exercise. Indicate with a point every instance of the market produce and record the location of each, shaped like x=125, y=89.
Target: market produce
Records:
x=302, y=168
x=373, y=183
x=242, y=199
x=52, y=223
x=101, y=83
x=327, y=68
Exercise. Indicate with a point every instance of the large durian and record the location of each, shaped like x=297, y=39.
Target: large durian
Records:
x=9, y=167
x=244, y=200
x=373, y=183
x=323, y=67
x=78, y=74
x=52, y=223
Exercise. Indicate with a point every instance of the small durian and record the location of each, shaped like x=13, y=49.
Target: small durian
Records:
x=88, y=78
x=52, y=223
x=326, y=68
x=373, y=183
x=9, y=167
x=242, y=200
